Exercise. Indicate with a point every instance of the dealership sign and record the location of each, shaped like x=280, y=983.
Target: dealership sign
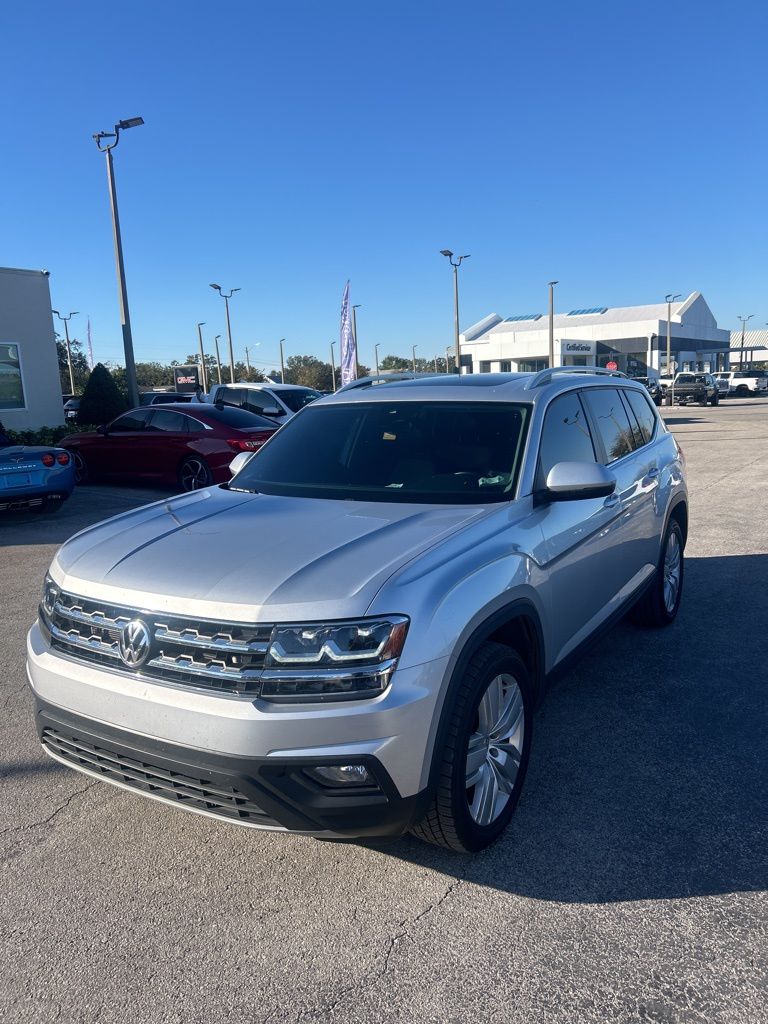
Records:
x=577, y=348
x=186, y=379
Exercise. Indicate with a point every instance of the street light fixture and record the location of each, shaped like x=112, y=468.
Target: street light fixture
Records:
x=217, y=288
x=551, y=286
x=447, y=358
x=376, y=356
x=105, y=146
x=202, y=355
x=447, y=253
x=218, y=358
x=744, y=321
x=671, y=389
x=413, y=353
x=65, y=320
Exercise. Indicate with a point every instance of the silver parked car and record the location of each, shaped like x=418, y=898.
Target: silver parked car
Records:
x=350, y=638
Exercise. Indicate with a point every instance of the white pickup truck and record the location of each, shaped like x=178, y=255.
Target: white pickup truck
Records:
x=745, y=382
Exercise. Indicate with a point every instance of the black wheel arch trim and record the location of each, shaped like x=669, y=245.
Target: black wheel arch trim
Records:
x=506, y=616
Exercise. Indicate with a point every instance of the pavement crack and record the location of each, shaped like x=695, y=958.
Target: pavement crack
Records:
x=46, y=821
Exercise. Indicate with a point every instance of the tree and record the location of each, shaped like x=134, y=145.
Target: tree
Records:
x=394, y=363
x=102, y=400
x=308, y=371
x=80, y=368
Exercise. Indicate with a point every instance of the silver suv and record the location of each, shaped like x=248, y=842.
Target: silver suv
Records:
x=351, y=638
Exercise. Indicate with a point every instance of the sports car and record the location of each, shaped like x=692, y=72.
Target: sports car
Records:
x=35, y=477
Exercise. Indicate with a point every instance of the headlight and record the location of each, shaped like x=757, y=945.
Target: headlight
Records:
x=50, y=595
x=343, y=660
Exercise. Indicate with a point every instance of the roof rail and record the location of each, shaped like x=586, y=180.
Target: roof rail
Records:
x=545, y=376
x=384, y=378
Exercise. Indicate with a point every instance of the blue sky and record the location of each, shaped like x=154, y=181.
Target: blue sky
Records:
x=617, y=147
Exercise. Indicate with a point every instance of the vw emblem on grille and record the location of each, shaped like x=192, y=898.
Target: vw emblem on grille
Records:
x=134, y=643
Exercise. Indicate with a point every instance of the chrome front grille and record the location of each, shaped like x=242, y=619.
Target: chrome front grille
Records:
x=227, y=657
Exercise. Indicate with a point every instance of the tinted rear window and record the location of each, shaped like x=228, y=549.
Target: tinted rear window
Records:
x=296, y=400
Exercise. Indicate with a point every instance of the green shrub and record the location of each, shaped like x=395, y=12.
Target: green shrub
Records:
x=101, y=400
x=47, y=437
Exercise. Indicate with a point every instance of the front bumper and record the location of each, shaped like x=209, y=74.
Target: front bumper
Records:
x=238, y=758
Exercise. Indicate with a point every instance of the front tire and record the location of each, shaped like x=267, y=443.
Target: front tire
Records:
x=194, y=473
x=714, y=400
x=484, y=756
x=659, y=606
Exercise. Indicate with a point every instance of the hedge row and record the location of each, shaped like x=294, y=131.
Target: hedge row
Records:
x=48, y=437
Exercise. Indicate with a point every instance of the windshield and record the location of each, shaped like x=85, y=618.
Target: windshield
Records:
x=296, y=400
x=433, y=453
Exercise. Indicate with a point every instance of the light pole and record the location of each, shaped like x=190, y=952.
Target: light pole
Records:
x=282, y=362
x=202, y=354
x=413, y=353
x=447, y=358
x=670, y=390
x=552, y=322
x=744, y=321
x=456, y=265
x=217, y=288
x=218, y=358
x=106, y=147
x=247, y=363
x=436, y=364
x=65, y=320
x=376, y=357
x=333, y=367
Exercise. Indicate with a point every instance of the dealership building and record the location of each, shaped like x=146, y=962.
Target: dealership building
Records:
x=30, y=390
x=634, y=338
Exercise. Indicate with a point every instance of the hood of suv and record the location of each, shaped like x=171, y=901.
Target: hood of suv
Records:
x=223, y=554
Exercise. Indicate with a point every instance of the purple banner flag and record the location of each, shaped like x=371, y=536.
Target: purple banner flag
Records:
x=348, y=344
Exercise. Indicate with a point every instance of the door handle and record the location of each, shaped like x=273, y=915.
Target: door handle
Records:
x=653, y=472
x=611, y=501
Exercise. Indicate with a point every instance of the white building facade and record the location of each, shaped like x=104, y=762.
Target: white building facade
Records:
x=30, y=390
x=632, y=337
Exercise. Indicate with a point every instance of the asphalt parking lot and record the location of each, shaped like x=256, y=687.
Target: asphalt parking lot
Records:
x=630, y=887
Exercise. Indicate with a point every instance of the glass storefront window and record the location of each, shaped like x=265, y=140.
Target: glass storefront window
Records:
x=11, y=384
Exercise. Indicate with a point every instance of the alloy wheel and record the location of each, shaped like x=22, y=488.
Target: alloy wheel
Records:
x=194, y=475
x=495, y=749
x=672, y=566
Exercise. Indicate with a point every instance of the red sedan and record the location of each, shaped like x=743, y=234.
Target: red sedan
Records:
x=186, y=445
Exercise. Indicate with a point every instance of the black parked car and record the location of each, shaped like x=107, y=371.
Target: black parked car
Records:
x=654, y=388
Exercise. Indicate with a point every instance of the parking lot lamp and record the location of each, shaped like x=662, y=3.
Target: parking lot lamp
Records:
x=282, y=362
x=376, y=357
x=106, y=147
x=333, y=367
x=65, y=320
x=202, y=355
x=218, y=358
x=447, y=358
x=449, y=255
x=217, y=288
x=670, y=390
x=551, y=286
x=413, y=353
x=744, y=321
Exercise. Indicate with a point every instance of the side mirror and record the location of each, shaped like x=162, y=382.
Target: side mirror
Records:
x=272, y=410
x=574, y=481
x=102, y=429
x=239, y=462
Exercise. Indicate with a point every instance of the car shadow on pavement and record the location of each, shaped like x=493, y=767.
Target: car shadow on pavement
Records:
x=649, y=772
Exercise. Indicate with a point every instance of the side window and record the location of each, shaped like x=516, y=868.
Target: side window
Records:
x=646, y=417
x=135, y=420
x=565, y=436
x=231, y=396
x=258, y=401
x=165, y=420
x=637, y=434
x=611, y=421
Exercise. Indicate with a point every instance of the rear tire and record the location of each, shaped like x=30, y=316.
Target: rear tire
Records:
x=81, y=468
x=660, y=603
x=194, y=473
x=742, y=391
x=484, y=756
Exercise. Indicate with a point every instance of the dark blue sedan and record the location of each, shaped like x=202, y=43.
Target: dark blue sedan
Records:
x=35, y=477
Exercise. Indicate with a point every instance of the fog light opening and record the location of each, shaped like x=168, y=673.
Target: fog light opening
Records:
x=342, y=775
